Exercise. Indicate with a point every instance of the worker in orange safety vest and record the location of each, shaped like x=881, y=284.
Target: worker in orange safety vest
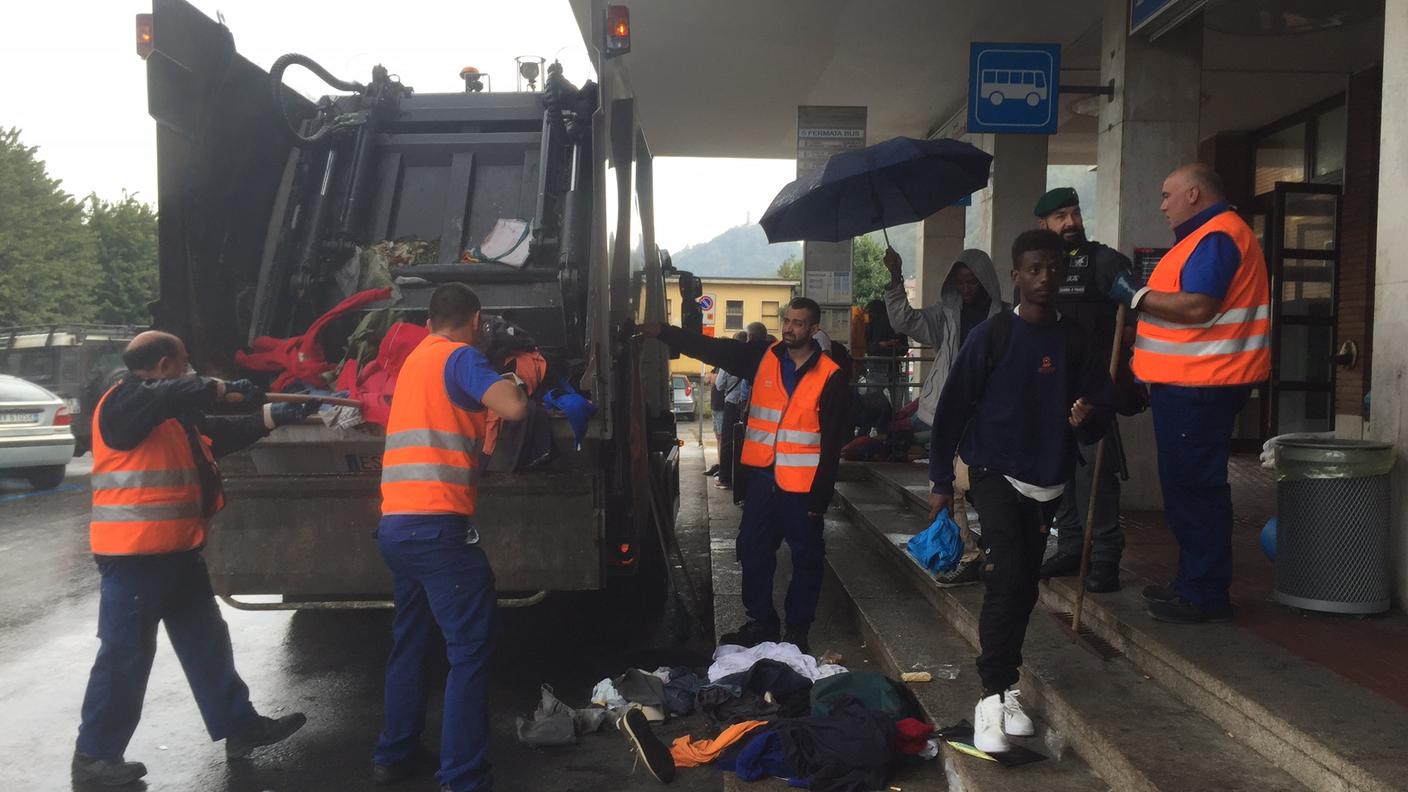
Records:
x=798, y=420
x=155, y=487
x=1203, y=341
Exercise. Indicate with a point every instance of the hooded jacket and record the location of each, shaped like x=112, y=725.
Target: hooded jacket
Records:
x=938, y=325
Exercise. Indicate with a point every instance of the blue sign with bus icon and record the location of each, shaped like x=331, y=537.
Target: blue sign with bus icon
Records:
x=1014, y=88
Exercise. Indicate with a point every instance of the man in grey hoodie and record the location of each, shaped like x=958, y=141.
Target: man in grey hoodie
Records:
x=969, y=295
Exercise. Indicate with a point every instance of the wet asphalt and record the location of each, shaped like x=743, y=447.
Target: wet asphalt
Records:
x=326, y=664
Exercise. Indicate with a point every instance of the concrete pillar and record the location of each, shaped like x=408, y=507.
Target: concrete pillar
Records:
x=1003, y=209
x=1387, y=418
x=1150, y=128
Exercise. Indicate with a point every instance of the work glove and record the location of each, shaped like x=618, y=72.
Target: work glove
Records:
x=1126, y=289
x=244, y=392
x=286, y=413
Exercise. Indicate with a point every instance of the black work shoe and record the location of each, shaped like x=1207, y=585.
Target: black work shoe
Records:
x=104, y=772
x=264, y=731
x=1060, y=565
x=1103, y=578
x=1153, y=594
x=751, y=634
x=1181, y=611
x=653, y=752
x=713, y=471
x=421, y=762
x=796, y=634
x=965, y=574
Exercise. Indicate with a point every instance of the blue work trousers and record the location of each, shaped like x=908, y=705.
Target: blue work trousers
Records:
x=771, y=515
x=1193, y=429
x=138, y=592
x=440, y=583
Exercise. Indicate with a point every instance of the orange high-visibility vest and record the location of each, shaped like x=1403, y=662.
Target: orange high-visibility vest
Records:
x=785, y=433
x=147, y=500
x=1232, y=348
x=432, y=446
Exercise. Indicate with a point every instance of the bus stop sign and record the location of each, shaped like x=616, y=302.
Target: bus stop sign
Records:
x=1014, y=88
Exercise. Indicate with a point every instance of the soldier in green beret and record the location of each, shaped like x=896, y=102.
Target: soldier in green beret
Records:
x=1091, y=268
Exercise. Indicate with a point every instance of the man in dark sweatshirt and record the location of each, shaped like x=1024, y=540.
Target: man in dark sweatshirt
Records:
x=798, y=419
x=1024, y=388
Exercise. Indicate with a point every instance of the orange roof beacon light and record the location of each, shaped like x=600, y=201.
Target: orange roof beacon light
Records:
x=618, y=30
x=473, y=79
x=146, y=38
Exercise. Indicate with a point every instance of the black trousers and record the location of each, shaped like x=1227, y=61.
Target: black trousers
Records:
x=1015, y=530
x=727, y=452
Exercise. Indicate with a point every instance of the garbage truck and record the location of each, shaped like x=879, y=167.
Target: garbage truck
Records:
x=268, y=203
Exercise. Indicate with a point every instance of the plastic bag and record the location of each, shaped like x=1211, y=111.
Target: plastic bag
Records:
x=938, y=547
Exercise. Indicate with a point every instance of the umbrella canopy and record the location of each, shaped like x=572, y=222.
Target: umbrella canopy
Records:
x=901, y=180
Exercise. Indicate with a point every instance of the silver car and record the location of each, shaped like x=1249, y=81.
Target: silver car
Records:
x=684, y=396
x=36, y=436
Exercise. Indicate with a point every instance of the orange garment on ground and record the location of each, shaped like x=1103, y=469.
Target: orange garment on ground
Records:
x=693, y=753
x=432, y=446
x=147, y=500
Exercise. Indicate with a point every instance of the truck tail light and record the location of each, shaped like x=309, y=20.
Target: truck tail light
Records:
x=146, y=36
x=62, y=417
x=618, y=30
x=688, y=389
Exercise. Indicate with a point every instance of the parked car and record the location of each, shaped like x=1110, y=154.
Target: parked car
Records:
x=36, y=433
x=684, y=396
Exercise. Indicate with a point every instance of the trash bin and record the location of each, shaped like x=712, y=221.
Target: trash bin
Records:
x=1332, y=534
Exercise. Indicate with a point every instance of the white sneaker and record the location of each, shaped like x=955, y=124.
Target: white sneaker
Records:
x=1014, y=721
x=987, y=726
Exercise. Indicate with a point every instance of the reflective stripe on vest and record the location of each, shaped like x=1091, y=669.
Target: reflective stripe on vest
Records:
x=784, y=432
x=1234, y=346
x=431, y=460
x=146, y=500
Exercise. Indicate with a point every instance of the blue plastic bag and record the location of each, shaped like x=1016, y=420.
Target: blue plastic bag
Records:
x=938, y=547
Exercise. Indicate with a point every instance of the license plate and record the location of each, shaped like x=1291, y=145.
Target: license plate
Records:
x=19, y=416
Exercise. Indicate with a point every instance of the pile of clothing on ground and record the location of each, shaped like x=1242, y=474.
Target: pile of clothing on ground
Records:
x=772, y=712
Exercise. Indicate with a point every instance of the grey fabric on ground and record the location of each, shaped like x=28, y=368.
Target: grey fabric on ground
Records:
x=555, y=723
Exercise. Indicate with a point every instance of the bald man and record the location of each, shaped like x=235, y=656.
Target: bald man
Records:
x=1203, y=342
x=155, y=488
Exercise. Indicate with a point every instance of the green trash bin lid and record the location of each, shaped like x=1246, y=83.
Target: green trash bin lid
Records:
x=1332, y=458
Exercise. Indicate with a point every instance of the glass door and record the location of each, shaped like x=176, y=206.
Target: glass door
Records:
x=1303, y=256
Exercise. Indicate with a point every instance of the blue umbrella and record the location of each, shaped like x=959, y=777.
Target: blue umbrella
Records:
x=900, y=180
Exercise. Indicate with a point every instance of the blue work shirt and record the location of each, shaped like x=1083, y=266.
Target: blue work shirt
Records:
x=467, y=376
x=1213, y=263
x=791, y=374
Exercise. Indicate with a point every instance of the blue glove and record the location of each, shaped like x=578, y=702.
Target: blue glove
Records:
x=285, y=413
x=1126, y=289
x=244, y=391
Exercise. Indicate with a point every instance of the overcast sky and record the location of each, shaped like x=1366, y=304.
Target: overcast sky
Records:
x=77, y=89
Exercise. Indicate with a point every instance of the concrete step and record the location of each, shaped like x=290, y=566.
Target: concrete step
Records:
x=901, y=629
x=1328, y=732
x=1134, y=733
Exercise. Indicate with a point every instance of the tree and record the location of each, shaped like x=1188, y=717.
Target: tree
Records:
x=124, y=234
x=45, y=250
x=790, y=269
x=868, y=274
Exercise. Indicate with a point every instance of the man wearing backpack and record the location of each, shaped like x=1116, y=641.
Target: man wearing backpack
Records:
x=1025, y=387
x=1083, y=296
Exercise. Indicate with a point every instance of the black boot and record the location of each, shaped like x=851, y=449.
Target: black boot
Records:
x=263, y=731
x=796, y=634
x=1104, y=577
x=104, y=772
x=422, y=762
x=751, y=634
x=1060, y=565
